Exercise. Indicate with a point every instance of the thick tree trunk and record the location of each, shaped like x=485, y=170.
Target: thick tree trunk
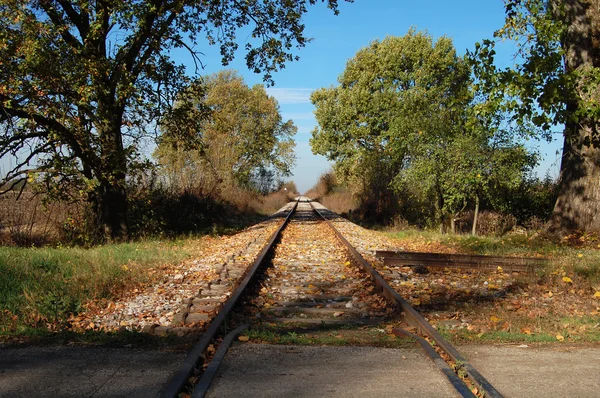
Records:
x=475, y=216
x=578, y=203
x=111, y=202
x=111, y=194
x=577, y=207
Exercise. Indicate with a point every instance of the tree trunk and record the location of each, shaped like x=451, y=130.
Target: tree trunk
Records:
x=475, y=216
x=111, y=194
x=111, y=211
x=578, y=203
x=439, y=211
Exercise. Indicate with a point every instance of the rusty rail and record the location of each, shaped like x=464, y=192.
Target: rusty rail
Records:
x=196, y=354
x=414, y=318
x=467, y=261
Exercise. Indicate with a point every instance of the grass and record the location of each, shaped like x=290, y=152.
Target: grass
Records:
x=581, y=256
x=42, y=286
x=326, y=335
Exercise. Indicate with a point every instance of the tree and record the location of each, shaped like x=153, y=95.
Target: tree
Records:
x=392, y=96
x=84, y=81
x=555, y=82
x=406, y=120
x=234, y=136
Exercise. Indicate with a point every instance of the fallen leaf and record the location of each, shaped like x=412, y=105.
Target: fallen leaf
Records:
x=495, y=319
x=560, y=337
x=580, y=255
x=597, y=295
x=567, y=279
x=527, y=331
x=243, y=338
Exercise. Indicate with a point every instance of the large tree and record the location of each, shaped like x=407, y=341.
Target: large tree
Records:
x=404, y=119
x=554, y=82
x=81, y=81
x=389, y=92
x=234, y=135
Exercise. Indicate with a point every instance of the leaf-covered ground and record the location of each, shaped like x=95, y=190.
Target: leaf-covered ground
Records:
x=556, y=304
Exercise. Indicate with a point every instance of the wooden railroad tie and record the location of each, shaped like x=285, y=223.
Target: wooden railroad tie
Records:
x=467, y=261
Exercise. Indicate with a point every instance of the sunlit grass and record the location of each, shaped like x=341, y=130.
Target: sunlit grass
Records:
x=583, y=260
x=45, y=285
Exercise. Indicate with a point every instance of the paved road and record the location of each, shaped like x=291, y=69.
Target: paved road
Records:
x=255, y=370
x=280, y=371
x=296, y=371
x=84, y=371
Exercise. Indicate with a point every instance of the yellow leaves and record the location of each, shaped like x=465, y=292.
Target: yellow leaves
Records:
x=243, y=338
x=500, y=270
x=526, y=331
x=495, y=319
x=597, y=295
x=580, y=255
x=347, y=264
x=560, y=337
x=566, y=279
x=125, y=267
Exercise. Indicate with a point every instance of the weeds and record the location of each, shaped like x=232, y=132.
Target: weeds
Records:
x=42, y=286
x=583, y=261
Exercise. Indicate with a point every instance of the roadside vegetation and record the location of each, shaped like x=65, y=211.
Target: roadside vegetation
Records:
x=422, y=140
x=43, y=287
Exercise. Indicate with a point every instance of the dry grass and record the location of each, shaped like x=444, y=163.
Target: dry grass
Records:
x=340, y=202
x=29, y=221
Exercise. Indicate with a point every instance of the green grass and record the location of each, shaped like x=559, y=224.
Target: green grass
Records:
x=44, y=285
x=326, y=335
x=585, y=329
x=583, y=260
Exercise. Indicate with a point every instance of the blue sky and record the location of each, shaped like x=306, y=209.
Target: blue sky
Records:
x=337, y=38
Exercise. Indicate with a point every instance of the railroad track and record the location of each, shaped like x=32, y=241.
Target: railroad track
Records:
x=308, y=274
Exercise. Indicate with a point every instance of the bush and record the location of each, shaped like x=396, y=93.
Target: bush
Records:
x=496, y=224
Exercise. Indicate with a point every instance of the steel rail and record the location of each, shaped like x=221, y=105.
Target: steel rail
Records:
x=413, y=317
x=466, y=261
x=180, y=377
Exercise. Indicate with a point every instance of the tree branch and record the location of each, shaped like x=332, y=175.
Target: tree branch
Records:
x=60, y=23
x=86, y=155
x=81, y=21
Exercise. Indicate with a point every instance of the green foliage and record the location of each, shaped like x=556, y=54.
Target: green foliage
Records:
x=84, y=82
x=554, y=82
x=241, y=141
x=404, y=129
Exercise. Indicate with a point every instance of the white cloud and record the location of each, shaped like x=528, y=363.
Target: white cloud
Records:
x=291, y=95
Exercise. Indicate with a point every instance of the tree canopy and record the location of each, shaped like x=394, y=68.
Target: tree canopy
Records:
x=238, y=137
x=402, y=122
x=554, y=83
x=83, y=81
